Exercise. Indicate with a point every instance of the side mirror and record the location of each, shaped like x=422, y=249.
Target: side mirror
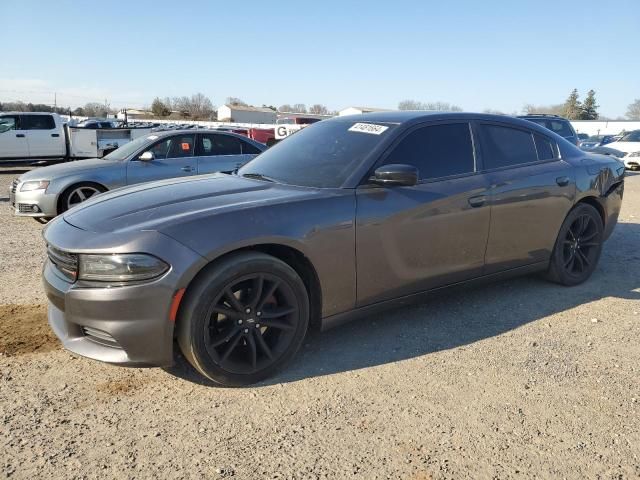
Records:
x=147, y=156
x=395, y=175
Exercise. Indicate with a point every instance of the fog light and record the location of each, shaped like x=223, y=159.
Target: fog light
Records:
x=35, y=209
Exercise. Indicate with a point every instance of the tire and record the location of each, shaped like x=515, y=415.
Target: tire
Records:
x=70, y=196
x=236, y=329
x=578, y=246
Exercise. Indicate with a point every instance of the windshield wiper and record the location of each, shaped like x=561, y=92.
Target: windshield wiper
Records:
x=258, y=176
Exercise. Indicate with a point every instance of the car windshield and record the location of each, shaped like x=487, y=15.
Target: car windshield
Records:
x=631, y=137
x=128, y=149
x=321, y=155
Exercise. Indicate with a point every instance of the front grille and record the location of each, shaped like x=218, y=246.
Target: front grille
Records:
x=14, y=185
x=66, y=263
x=98, y=336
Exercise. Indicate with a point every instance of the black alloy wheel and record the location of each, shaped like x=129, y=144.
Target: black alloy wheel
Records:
x=578, y=247
x=243, y=318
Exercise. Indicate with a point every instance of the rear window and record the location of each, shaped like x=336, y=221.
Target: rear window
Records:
x=249, y=149
x=505, y=146
x=543, y=147
x=561, y=127
x=38, y=122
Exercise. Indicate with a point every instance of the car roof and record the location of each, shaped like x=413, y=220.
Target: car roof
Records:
x=418, y=116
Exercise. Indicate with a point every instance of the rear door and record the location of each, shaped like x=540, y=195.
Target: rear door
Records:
x=532, y=192
x=218, y=152
x=415, y=238
x=174, y=157
x=13, y=140
x=44, y=137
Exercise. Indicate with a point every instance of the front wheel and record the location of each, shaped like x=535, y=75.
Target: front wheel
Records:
x=243, y=319
x=77, y=194
x=578, y=246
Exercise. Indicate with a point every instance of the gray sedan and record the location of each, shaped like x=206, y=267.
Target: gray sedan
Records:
x=49, y=191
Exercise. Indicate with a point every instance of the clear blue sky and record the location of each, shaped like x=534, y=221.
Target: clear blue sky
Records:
x=476, y=54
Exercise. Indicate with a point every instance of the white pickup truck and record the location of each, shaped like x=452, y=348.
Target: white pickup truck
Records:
x=33, y=136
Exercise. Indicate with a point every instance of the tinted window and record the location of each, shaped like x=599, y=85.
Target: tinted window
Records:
x=504, y=146
x=561, y=128
x=211, y=144
x=181, y=146
x=38, y=122
x=436, y=151
x=7, y=123
x=631, y=137
x=321, y=155
x=543, y=147
x=249, y=149
x=160, y=149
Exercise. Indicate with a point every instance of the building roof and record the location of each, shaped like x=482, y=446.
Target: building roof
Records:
x=248, y=108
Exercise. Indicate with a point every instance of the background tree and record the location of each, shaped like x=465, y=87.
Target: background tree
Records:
x=270, y=107
x=589, y=109
x=572, y=107
x=95, y=109
x=159, y=109
x=437, y=106
x=235, y=101
x=633, y=110
x=200, y=107
x=298, y=108
x=318, y=109
x=548, y=109
x=284, y=108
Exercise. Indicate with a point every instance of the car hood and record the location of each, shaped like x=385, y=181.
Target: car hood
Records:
x=156, y=205
x=67, y=168
x=627, y=147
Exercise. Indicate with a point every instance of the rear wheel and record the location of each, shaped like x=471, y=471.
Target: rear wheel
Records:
x=578, y=247
x=244, y=319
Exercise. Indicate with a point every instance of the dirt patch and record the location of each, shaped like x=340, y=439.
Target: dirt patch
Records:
x=121, y=386
x=24, y=329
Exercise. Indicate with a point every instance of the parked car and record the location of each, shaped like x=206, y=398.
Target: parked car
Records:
x=349, y=216
x=582, y=136
x=596, y=141
x=41, y=136
x=49, y=191
x=556, y=124
x=96, y=124
x=629, y=145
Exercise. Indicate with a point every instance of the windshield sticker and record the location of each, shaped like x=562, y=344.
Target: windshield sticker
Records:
x=371, y=128
x=152, y=137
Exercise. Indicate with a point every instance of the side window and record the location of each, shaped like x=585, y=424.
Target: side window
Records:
x=38, y=122
x=248, y=149
x=212, y=144
x=181, y=146
x=561, y=128
x=505, y=146
x=436, y=151
x=160, y=149
x=543, y=147
x=8, y=123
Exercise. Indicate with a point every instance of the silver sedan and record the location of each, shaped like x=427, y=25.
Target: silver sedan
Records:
x=48, y=191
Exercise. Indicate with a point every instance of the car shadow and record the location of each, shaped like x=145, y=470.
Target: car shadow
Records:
x=4, y=199
x=457, y=317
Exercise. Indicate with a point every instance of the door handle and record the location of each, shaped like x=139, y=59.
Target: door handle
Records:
x=20, y=135
x=55, y=134
x=478, y=201
x=562, y=181
x=187, y=169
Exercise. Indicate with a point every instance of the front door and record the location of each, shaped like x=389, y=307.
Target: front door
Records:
x=219, y=152
x=411, y=239
x=173, y=157
x=13, y=139
x=45, y=140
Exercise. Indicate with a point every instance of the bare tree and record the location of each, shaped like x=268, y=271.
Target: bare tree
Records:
x=633, y=110
x=95, y=109
x=235, y=101
x=284, y=108
x=200, y=106
x=548, y=109
x=318, y=109
x=439, y=106
x=299, y=108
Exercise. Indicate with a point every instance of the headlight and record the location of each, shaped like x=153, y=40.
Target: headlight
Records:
x=126, y=267
x=37, y=185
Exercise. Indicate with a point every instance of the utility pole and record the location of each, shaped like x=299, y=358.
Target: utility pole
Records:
x=55, y=101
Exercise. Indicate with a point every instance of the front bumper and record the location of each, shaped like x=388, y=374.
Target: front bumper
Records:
x=631, y=163
x=124, y=325
x=23, y=203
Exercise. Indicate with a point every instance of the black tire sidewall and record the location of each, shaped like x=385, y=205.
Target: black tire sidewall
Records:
x=198, y=298
x=557, y=271
x=64, y=198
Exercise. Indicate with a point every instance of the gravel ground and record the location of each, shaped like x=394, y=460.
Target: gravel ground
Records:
x=520, y=379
